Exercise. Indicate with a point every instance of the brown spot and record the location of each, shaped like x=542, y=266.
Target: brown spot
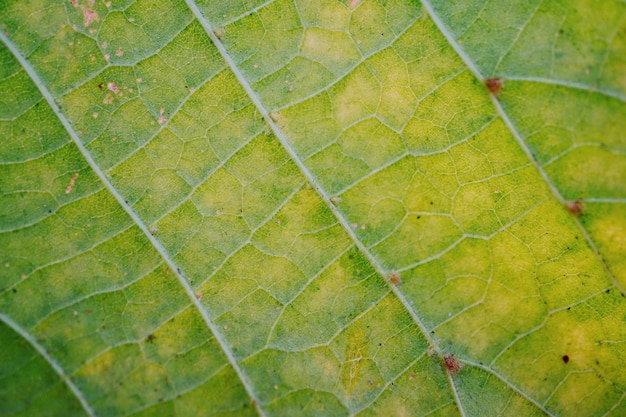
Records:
x=150, y=338
x=394, y=278
x=89, y=311
x=565, y=358
x=412, y=376
x=495, y=85
x=576, y=207
x=101, y=86
x=453, y=366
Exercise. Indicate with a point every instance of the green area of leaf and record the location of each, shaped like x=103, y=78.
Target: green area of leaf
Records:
x=312, y=208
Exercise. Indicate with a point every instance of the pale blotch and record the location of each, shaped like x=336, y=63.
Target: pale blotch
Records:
x=219, y=32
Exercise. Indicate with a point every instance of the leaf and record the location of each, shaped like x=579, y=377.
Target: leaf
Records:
x=312, y=208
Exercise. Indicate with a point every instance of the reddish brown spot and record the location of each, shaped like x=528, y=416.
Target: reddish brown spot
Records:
x=394, y=278
x=412, y=376
x=494, y=85
x=89, y=311
x=101, y=86
x=577, y=207
x=453, y=366
x=150, y=338
x=565, y=358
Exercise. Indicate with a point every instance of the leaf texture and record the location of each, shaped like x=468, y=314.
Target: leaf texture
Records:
x=295, y=207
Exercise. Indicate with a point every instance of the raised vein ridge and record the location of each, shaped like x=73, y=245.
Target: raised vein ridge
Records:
x=309, y=176
x=57, y=368
x=156, y=244
x=505, y=118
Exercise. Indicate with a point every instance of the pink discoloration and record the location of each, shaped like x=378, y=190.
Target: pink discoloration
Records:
x=95, y=115
x=353, y=2
x=74, y=3
x=89, y=16
x=105, y=45
x=107, y=4
x=119, y=52
x=162, y=117
x=108, y=99
x=91, y=2
x=113, y=87
x=71, y=184
x=107, y=56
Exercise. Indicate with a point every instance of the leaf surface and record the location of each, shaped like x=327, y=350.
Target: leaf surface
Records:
x=309, y=208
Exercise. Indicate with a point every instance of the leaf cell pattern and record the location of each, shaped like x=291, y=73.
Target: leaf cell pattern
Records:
x=202, y=203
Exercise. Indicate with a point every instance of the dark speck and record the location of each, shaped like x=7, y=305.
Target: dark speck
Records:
x=565, y=358
x=14, y=290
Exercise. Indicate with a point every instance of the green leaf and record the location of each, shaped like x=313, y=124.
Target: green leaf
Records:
x=295, y=207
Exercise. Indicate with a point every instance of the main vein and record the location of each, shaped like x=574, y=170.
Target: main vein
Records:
x=313, y=181
x=505, y=117
x=57, y=368
x=137, y=220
